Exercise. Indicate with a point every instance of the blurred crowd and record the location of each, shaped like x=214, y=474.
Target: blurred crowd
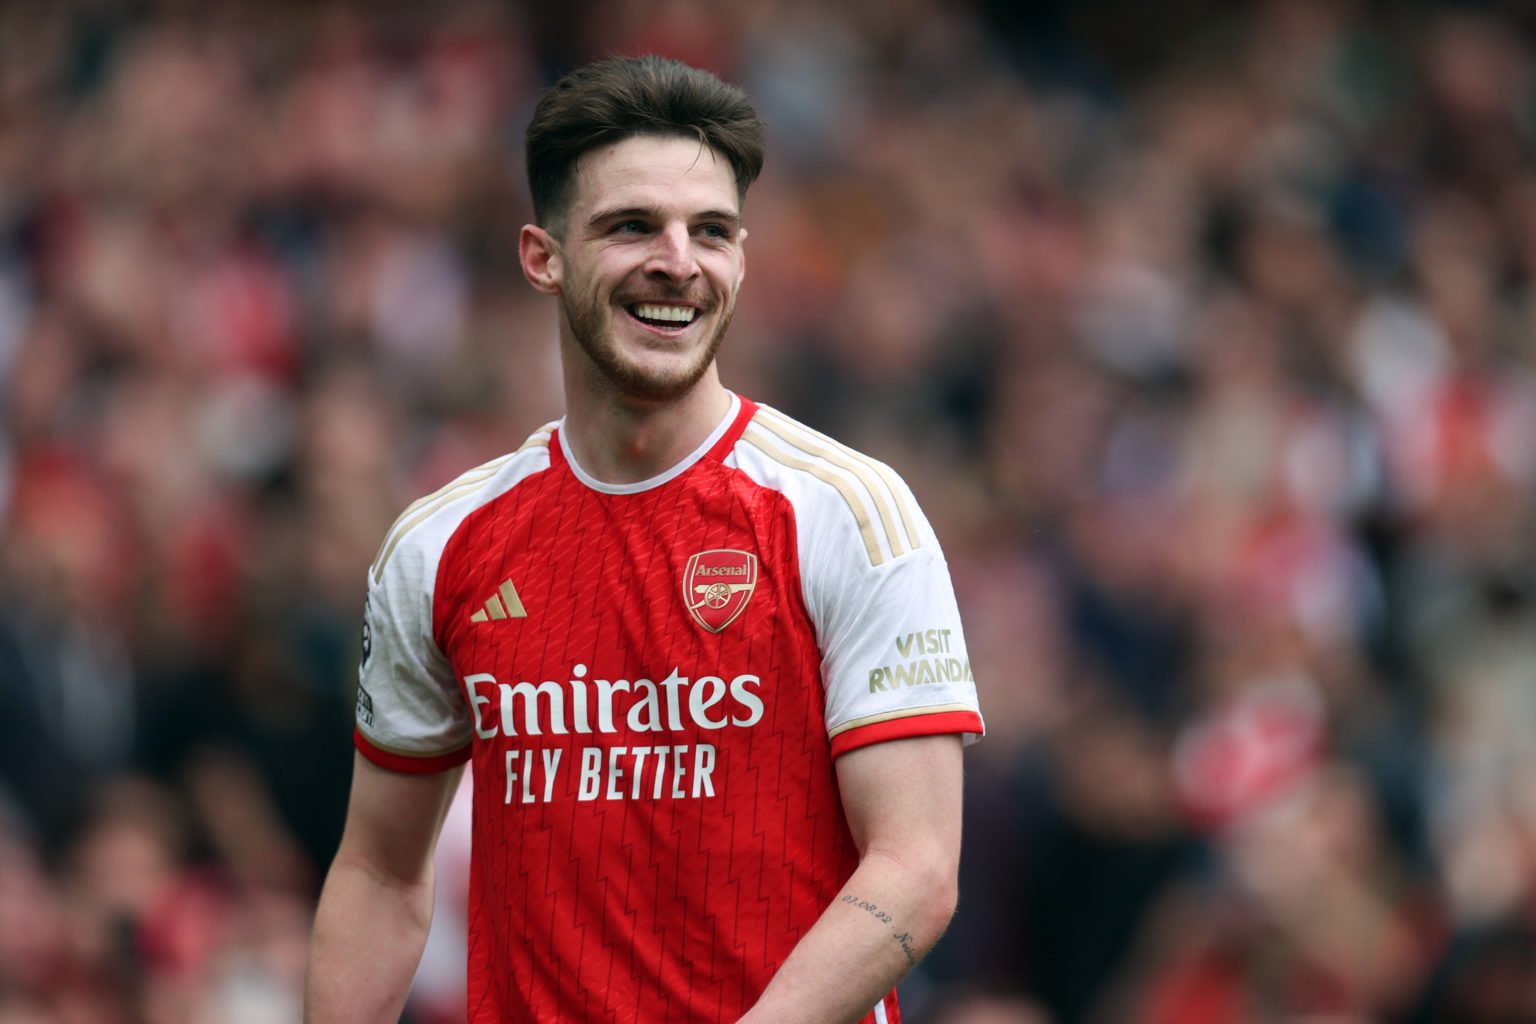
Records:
x=1205, y=333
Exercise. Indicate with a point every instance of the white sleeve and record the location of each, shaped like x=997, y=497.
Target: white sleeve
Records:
x=410, y=714
x=876, y=586
x=894, y=662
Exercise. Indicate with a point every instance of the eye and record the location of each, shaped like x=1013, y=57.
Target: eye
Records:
x=630, y=227
x=719, y=232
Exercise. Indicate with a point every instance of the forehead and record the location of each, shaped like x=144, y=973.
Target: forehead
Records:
x=653, y=172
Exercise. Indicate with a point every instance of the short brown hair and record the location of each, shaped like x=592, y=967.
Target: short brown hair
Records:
x=611, y=100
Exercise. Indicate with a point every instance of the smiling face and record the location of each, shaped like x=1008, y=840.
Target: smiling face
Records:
x=647, y=265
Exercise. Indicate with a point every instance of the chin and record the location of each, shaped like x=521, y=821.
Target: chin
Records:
x=630, y=363
x=654, y=384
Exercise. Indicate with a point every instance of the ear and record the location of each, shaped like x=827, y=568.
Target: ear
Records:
x=741, y=275
x=539, y=254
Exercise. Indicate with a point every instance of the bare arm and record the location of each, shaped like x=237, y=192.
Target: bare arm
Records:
x=377, y=902
x=902, y=799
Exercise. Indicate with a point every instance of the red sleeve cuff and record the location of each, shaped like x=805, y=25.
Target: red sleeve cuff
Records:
x=409, y=763
x=937, y=724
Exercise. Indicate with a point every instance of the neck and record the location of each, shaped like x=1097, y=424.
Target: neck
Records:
x=622, y=440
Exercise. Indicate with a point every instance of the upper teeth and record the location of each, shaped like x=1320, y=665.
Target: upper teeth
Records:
x=681, y=314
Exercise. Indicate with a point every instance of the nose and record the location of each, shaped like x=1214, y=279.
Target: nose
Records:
x=672, y=257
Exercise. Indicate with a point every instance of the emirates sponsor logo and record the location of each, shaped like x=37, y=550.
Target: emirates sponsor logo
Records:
x=717, y=586
x=585, y=706
x=646, y=716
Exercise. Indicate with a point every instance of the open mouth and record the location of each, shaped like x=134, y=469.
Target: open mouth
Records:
x=662, y=316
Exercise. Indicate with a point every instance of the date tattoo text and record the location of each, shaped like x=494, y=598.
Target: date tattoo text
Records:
x=903, y=938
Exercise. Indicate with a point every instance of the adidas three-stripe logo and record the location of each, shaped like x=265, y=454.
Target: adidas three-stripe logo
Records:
x=504, y=604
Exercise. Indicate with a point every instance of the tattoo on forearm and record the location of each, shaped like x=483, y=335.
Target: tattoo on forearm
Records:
x=904, y=939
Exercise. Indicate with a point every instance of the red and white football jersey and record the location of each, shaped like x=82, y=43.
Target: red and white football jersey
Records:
x=651, y=682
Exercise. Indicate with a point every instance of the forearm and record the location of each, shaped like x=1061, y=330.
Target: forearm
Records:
x=368, y=936
x=883, y=921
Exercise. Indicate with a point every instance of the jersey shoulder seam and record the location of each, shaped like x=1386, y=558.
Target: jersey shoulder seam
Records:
x=881, y=505
x=464, y=485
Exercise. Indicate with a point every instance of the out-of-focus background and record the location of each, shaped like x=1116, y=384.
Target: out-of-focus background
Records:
x=1205, y=332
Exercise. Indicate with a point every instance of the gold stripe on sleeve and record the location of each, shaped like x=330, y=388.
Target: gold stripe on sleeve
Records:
x=891, y=716
x=540, y=438
x=420, y=511
x=817, y=450
x=758, y=438
x=423, y=509
x=420, y=755
x=892, y=481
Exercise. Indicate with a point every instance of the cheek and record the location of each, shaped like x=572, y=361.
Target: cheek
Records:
x=726, y=274
x=584, y=285
x=609, y=275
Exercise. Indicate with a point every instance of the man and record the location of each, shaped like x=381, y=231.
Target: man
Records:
x=706, y=664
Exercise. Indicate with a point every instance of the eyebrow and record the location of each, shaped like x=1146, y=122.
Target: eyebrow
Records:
x=730, y=217
x=603, y=216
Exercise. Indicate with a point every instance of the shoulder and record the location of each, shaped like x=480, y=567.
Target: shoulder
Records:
x=421, y=531
x=840, y=490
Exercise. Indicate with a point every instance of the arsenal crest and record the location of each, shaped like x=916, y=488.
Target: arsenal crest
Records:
x=717, y=586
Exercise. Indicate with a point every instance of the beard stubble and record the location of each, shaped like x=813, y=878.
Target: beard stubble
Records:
x=590, y=325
